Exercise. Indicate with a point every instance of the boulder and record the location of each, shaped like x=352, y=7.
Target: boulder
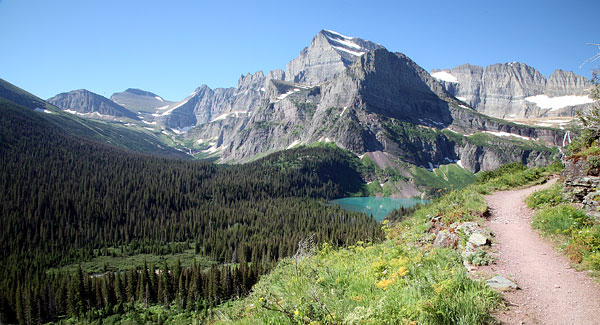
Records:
x=501, y=283
x=478, y=239
x=446, y=239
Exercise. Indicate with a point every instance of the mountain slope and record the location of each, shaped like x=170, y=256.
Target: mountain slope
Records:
x=86, y=102
x=137, y=100
x=19, y=96
x=129, y=137
x=68, y=200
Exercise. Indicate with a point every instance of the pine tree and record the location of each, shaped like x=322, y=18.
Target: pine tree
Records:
x=167, y=284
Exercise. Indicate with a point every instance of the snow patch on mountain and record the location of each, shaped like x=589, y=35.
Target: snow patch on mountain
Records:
x=226, y=115
x=554, y=103
x=506, y=134
x=445, y=76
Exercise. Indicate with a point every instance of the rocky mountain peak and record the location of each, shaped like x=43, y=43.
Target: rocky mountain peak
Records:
x=250, y=80
x=139, y=100
x=328, y=54
x=565, y=83
x=140, y=92
x=349, y=48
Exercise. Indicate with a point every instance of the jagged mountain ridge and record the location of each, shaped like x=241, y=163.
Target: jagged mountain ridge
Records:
x=88, y=103
x=329, y=54
x=358, y=110
x=361, y=97
x=516, y=90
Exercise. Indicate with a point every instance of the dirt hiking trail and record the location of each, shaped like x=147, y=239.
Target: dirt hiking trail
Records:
x=551, y=292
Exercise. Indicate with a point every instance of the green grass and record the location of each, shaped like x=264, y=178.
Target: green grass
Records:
x=546, y=198
x=561, y=219
x=385, y=283
x=444, y=178
x=116, y=261
x=571, y=228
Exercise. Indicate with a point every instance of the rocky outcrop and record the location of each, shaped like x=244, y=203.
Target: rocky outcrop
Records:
x=516, y=90
x=138, y=100
x=583, y=184
x=90, y=104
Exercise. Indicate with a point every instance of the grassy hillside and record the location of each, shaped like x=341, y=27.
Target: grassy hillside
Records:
x=403, y=279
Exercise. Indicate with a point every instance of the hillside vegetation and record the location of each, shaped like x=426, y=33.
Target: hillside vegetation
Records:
x=67, y=200
x=403, y=279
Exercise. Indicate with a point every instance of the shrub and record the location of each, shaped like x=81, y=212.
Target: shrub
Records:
x=480, y=258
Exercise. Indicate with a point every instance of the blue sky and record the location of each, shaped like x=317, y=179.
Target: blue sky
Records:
x=172, y=47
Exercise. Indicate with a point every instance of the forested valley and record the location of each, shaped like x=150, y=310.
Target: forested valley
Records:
x=67, y=200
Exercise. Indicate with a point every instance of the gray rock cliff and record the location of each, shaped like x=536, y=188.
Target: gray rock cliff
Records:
x=516, y=90
x=328, y=54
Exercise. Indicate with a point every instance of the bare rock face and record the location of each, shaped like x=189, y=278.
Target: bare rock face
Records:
x=86, y=102
x=505, y=86
x=582, y=183
x=328, y=54
x=566, y=83
x=516, y=90
x=354, y=110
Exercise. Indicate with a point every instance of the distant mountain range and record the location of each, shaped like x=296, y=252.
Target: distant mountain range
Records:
x=516, y=90
x=122, y=134
x=356, y=94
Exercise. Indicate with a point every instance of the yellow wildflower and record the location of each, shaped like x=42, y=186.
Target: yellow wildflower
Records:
x=401, y=272
x=384, y=283
x=296, y=312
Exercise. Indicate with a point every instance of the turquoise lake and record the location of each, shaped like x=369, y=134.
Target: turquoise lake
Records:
x=379, y=207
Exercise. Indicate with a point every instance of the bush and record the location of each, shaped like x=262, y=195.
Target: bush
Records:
x=515, y=176
x=510, y=168
x=480, y=258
